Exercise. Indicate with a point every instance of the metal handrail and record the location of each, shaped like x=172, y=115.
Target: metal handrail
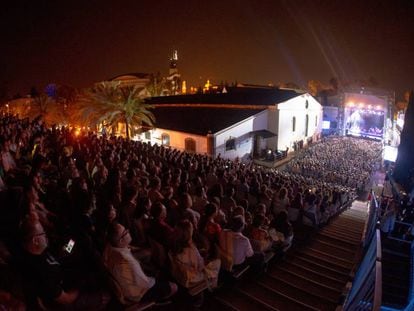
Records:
x=377, y=301
x=366, y=290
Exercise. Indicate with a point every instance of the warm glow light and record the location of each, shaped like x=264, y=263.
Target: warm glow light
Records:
x=351, y=104
x=361, y=104
x=369, y=106
x=207, y=86
x=379, y=107
x=184, y=88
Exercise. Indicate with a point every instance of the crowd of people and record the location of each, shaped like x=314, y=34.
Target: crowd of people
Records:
x=81, y=213
x=340, y=160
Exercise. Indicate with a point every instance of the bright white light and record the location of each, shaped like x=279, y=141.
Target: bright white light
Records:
x=390, y=153
x=379, y=107
x=351, y=104
x=326, y=125
x=361, y=105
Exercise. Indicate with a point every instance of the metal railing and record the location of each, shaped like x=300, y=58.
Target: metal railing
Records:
x=366, y=290
x=371, y=224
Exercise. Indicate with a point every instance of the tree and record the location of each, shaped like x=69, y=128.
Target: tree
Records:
x=315, y=87
x=404, y=165
x=111, y=103
x=41, y=105
x=156, y=85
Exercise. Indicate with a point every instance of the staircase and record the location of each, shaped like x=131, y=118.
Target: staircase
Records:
x=311, y=277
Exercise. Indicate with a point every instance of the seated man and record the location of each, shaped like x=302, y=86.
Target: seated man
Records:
x=127, y=271
x=46, y=275
x=237, y=247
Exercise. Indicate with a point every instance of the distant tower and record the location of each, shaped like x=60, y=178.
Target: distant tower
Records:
x=174, y=77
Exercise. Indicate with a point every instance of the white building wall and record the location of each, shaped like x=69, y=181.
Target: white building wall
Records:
x=177, y=139
x=296, y=107
x=240, y=131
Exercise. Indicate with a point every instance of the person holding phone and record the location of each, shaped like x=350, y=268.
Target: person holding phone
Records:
x=44, y=272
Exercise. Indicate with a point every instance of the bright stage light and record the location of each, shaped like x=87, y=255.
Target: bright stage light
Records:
x=379, y=107
x=390, y=153
x=369, y=106
x=361, y=105
x=351, y=104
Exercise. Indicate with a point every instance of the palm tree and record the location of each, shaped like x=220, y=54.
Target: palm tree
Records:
x=111, y=103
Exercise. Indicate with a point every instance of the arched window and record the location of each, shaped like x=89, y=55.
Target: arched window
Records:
x=306, y=125
x=293, y=124
x=190, y=145
x=165, y=139
x=230, y=144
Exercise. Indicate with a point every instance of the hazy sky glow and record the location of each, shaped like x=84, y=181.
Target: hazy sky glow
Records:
x=81, y=42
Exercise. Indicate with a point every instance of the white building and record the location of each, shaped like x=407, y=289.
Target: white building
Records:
x=243, y=121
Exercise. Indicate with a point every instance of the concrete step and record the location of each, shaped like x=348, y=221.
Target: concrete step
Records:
x=338, y=242
x=320, y=268
x=337, y=236
x=333, y=250
x=307, y=284
x=267, y=295
x=293, y=292
x=327, y=260
x=237, y=300
x=316, y=276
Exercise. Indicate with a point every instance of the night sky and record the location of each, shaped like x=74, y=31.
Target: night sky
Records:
x=81, y=42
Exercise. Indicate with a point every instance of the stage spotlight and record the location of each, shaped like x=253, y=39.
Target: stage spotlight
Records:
x=379, y=107
x=369, y=106
x=361, y=105
x=351, y=104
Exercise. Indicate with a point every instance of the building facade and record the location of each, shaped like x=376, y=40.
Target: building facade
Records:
x=242, y=122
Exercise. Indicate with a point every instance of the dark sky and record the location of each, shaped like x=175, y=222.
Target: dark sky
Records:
x=81, y=42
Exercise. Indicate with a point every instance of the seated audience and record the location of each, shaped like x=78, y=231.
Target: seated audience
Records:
x=189, y=267
x=45, y=274
x=126, y=270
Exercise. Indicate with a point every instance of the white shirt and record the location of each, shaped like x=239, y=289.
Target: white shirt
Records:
x=127, y=271
x=236, y=246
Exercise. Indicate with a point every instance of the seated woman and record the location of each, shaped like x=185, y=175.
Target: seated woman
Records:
x=141, y=222
x=283, y=226
x=188, y=267
x=207, y=225
x=259, y=237
x=160, y=230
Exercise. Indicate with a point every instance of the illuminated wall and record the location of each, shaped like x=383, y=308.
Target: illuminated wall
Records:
x=177, y=139
x=297, y=107
x=240, y=132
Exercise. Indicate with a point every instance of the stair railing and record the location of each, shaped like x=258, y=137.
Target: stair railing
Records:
x=366, y=290
x=371, y=223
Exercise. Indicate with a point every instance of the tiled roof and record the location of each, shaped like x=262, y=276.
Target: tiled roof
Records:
x=200, y=120
x=234, y=95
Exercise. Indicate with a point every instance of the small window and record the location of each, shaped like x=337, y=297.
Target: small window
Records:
x=306, y=125
x=165, y=139
x=316, y=121
x=148, y=135
x=293, y=124
x=231, y=144
x=190, y=145
x=306, y=104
